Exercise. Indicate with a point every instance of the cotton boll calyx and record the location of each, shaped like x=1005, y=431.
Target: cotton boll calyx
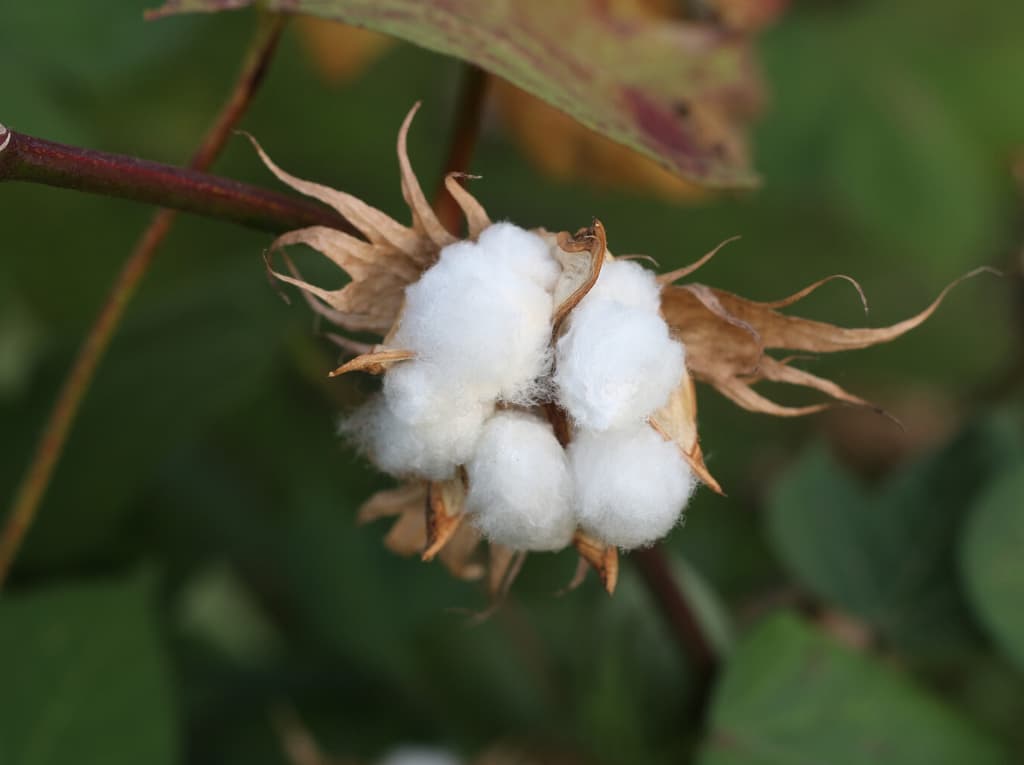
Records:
x=631, y=485
x=480, y=321
x=628, y=283
x=520, y=489
x=425, y=449
x=521, y=251
x=616, y=365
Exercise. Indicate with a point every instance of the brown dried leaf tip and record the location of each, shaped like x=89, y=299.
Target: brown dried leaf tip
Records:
x=525, y=437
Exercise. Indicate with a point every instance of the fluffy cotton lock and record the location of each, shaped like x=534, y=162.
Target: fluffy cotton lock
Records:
x=419, y=392
x=616, y=365
x=626, y=282
x=631, y=485
x=520, y=488
x=430, y=448
x=484, y=320
x=521, y=251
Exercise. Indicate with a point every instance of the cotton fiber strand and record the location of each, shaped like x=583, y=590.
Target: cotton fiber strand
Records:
x=427, y=449
x=616, y=365
x=516, y=249
x=520, y=489
x=419, y=392
x=631, y=485
x=482, y=322
x=629, y=283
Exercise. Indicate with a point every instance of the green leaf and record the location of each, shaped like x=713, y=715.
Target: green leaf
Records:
x=791, y=696
x=993, y=561
x=676, y=92
x=888, y=556
x=84, y=680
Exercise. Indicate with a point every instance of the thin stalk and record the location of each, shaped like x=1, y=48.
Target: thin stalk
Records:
x=466, y=130
x=35, y=160
x=681, y=620
x=65, y=409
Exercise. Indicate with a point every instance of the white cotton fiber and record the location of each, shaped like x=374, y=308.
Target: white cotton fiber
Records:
x=486, y=325
x=520, y=489
x=631, y=485
x=420, y=392
x=521, y=251
x=616, y=365
x=419, y=755
x=629, y=283
x=427, y=449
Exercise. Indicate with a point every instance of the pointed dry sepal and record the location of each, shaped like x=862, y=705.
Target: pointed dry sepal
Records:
x=726, y=337
x=409, y=536
x=382, y=264
x=671, y=277
x=581, y=256
x=604, y=559
x=677, y=422
x=460, y=557
x=392, y=502
x=503, y=568
x=377, y=362
x=445, y=513
x=424, y=220
x=476, y=216
x=578, y=577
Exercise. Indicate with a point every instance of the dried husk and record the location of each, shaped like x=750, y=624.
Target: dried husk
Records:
x=727, y=336
x=381, y=267
x=409, y=534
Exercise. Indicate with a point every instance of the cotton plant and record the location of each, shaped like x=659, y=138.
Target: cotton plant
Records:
x=536, y=391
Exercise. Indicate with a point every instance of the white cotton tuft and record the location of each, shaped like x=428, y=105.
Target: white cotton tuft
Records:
x=616, y=365
x=626, y=282
x=521, y=251
x=430, y=448
x=486, y=325
x=419, y=755
x=631, y=485
x=520, y=489
x=420, y=392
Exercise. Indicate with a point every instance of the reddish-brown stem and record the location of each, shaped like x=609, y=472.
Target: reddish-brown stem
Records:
x=468, y=111
x=62, y=416
x=34, y=160
x=681, y=620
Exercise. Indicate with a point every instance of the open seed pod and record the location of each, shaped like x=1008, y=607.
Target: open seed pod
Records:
x=438, y=509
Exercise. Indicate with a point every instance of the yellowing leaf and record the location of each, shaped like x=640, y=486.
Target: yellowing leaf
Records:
x=679, y=92
x=561, y=147
x=339, y=52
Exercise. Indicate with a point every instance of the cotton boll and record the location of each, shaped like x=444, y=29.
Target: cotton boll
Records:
x=616, y=365
x=414, y=391
x=626, y=282
x=521, y=251
x=430, y=449
x=420, y=392
x=486, y=326
x=520, y=489
x=631, y=485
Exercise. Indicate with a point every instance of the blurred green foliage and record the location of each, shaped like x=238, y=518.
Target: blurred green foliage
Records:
x=195, y=565
x=791, y=695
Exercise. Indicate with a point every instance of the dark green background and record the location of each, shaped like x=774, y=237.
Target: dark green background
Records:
x=195, y=565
